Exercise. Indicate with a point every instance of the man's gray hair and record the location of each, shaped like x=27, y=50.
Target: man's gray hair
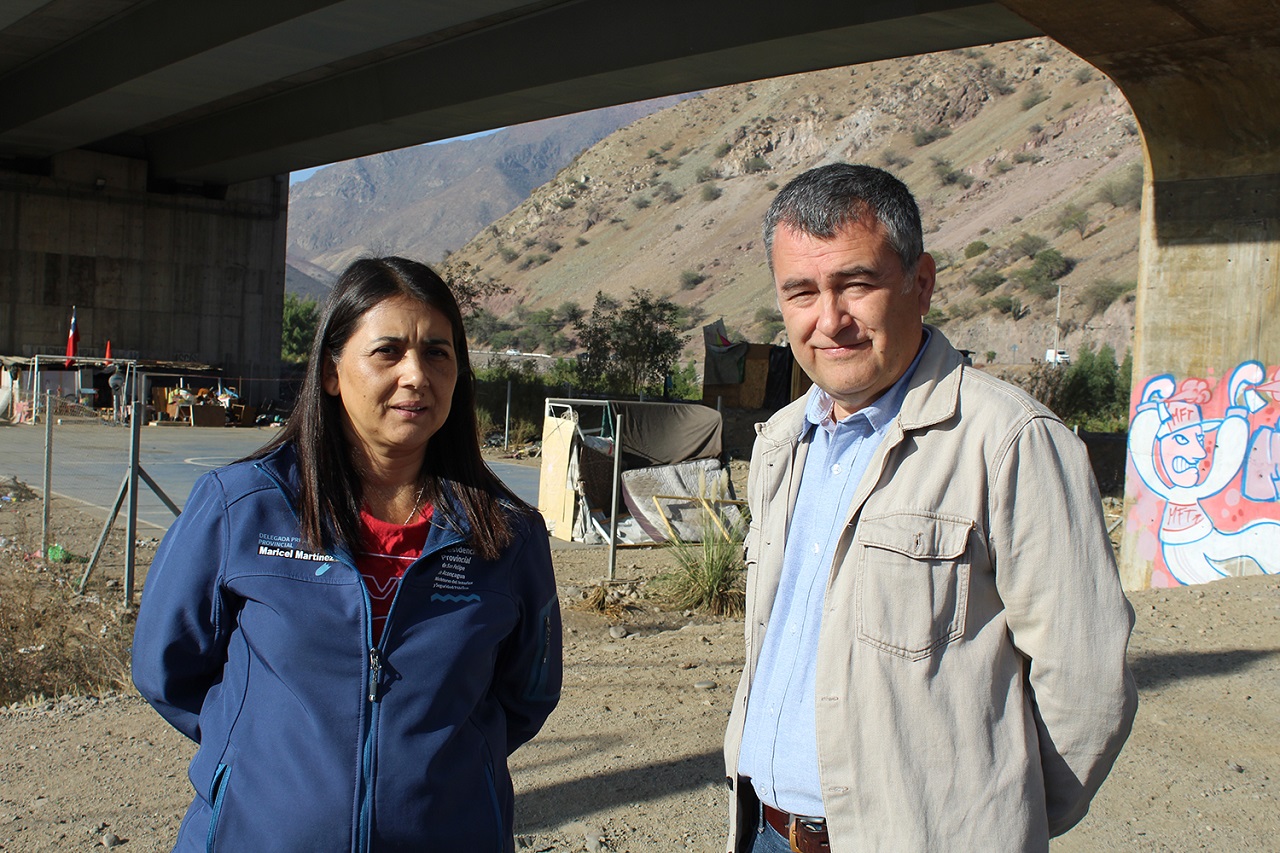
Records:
x=826, y=199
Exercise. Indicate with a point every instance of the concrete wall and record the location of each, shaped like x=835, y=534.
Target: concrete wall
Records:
x=162, y=276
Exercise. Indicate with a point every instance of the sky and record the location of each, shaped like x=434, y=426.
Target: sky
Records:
x=303, y=174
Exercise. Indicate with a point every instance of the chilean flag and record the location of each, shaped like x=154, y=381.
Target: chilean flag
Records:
x=73, y=338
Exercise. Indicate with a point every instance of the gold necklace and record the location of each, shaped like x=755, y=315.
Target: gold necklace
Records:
x=417, y=504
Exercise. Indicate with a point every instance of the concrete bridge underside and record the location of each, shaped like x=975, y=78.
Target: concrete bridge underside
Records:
x=143, y=147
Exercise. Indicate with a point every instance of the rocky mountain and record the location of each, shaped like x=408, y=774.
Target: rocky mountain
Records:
x=427, y=200
x=1011, y=149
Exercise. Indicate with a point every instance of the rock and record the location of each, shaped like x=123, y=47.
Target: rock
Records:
x=617, y=632
x=572, y=592
x=705, y=684
x=110, y=839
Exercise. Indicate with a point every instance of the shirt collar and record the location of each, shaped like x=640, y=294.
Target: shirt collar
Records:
x=821, y=407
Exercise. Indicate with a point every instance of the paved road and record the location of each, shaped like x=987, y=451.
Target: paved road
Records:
x=90, y=461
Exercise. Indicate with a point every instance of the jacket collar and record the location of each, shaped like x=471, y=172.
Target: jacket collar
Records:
x=933, y=396
x=281, y=465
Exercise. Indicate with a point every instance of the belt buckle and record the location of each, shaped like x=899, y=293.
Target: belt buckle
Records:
x=797, y=824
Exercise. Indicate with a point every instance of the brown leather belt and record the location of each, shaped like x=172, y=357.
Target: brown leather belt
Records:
x=806, y=834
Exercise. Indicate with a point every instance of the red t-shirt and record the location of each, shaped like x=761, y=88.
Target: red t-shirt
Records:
x=389, y=548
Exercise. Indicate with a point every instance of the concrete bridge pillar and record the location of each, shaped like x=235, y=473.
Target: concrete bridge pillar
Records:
x=1203, y=79
x=188, y=276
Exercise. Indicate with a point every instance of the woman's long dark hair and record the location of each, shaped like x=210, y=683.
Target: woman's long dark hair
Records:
x=331, y=487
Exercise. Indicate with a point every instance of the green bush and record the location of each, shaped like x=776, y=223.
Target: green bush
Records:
x=1028, y=245
x=1052, y=264
x=641, y=202
x=710, y=574
x=534, y=260
x=705, y=173
x=722, y=149
x=565, y=202
x=1101, y=294
x=1026, y=157
x=986, y=281
x=977, y=247
x=755, y=164
x=711, y=192
x=507, y=253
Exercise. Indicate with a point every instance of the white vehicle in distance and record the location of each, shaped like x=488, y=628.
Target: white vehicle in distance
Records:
x=1057, y=356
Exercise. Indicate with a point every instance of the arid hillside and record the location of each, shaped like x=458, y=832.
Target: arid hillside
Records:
x=1011, y=149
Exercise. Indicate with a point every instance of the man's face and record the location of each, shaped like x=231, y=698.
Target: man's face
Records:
x=852, y=314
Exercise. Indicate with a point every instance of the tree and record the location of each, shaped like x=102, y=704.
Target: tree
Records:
x=300, y=319
x=470, y=287
x=629, y=348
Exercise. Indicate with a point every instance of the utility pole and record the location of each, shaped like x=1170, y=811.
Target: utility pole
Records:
x=1057, y=323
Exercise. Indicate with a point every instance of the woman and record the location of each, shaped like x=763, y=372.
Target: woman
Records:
x=357, y=624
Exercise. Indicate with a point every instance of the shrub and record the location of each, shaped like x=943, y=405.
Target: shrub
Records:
x=667, y=192
x=948, y=175
x=1035, y=94
x=922, y=136
x=705, y=173
x=711, y=192
x=1007, y=305
x=892, y=158
x=534, y=261
x=1099, y=295
x=551, y=245
x=507, y=253
x=986, y=281
x=1001, y=166
x=565, y=202
x=1052, y=264
x=1072, y=218
x=1124, y=191
x=709, y=574
x=689, y=279
x=1026, y=157
x=641, y=202
x=977, y=247
x=771, y=186
x=722, y=149
x=755, y=164
x=1083, y=75
x=1028, y=245
x=580, y=241
x=991, y=356
x=935, y=317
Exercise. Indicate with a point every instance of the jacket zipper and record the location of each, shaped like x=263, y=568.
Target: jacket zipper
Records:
x=376, y=652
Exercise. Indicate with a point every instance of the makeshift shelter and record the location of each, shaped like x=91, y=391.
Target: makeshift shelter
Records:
x=663, y=473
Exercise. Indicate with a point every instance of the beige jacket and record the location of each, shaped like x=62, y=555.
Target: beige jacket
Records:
x=972, y=685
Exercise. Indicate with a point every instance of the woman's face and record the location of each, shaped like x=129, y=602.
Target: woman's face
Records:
x=395, y=378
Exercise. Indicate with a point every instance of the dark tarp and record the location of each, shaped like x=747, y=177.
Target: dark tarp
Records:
x=663, y=433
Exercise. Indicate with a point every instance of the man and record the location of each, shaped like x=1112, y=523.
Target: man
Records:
x=935, y=628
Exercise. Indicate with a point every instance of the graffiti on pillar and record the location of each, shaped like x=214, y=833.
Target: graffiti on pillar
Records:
x=1204, y=475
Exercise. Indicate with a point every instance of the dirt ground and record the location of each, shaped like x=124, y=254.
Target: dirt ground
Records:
x=631, y=760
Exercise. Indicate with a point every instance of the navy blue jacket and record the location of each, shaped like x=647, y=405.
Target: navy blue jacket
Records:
x=312, y=738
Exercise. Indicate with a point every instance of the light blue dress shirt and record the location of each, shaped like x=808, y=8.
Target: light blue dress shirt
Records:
x=780, y=741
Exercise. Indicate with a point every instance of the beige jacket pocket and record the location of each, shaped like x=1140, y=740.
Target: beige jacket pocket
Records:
x=913, y=588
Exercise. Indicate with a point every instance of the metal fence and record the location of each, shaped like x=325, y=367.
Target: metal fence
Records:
x=110, y=484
